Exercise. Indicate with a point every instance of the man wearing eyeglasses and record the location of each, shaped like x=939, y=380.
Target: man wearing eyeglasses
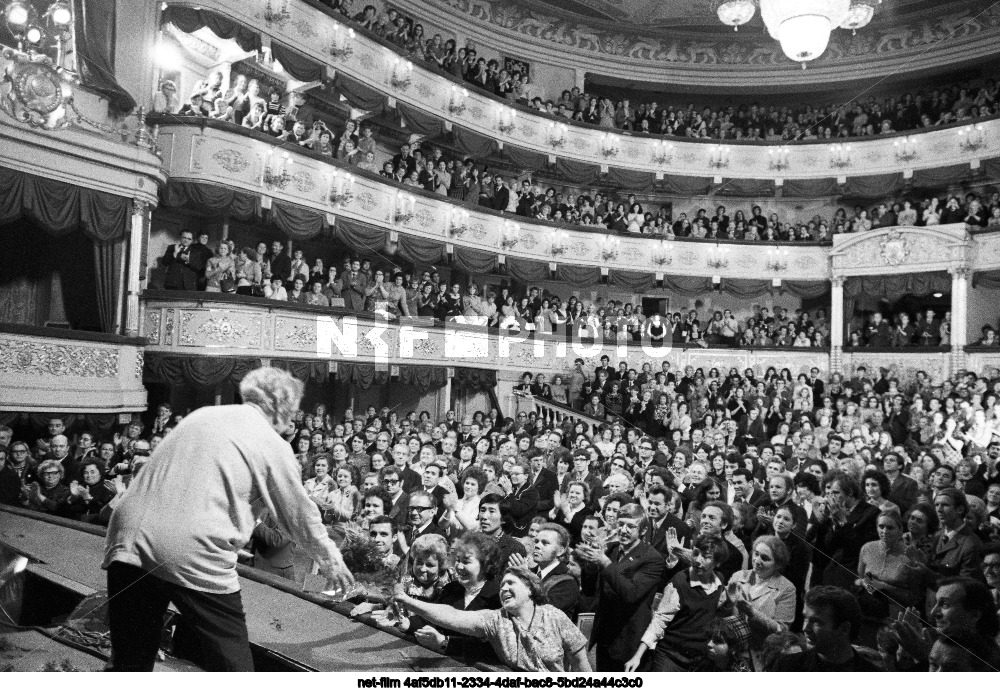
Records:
x=390, y=479
x=420, y=517
x=542, y=479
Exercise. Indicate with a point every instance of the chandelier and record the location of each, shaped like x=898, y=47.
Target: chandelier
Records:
x=802, y=27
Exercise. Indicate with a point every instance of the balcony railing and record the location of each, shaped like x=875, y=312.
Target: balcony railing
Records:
x=222, y=154
x=58, y=370
x=312, y=30
x=213, y=324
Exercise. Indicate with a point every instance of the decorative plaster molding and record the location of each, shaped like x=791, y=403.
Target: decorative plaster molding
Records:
x=372, y=63
x=902, y=250
x=297, y=335
x=46, y=374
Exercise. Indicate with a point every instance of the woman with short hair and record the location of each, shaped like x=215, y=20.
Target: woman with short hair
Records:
x=526, y=633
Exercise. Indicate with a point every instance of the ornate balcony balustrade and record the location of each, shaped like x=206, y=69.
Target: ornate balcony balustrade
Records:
x=235, y=326
x=61, y=370
x=221, y=154
x=312, y=31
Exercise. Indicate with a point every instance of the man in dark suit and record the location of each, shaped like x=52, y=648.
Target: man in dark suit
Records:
x=522, y=500
x=391, y=479
x=660, y=503
x=903, y=490
x=204, y=254
x=630, y=575
x=421, y=510
x=745, y=490
x=354, y=285
x=272, y=548
x=501, y=194
x=184, y=267
x=543, y=480
x=281, y=264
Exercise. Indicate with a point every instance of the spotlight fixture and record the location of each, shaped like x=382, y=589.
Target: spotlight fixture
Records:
x=21, y=18
x=60, y=14
x=34, y=35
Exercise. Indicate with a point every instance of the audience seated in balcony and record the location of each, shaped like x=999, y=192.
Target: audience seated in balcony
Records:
x=956, y=103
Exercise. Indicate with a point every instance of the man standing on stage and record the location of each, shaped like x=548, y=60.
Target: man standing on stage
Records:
x=175, y=535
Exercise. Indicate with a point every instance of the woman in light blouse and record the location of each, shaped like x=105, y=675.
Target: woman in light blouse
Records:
x=764, y=597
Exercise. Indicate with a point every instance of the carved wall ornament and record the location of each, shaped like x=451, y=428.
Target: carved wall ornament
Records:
x=303, y=337
x=424, y=218
x=303, y=182
x=366, y=201
x=152, y=327
x=45, y=359
x=232, y=160
x=139, y=362
x=220, y=329
x=894, y=249
x=34, y=92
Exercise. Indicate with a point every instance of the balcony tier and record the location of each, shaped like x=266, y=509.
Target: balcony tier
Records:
x=224, y=155
x=939, y=154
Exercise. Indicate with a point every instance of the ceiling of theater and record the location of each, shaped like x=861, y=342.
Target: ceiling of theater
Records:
x=700, y=14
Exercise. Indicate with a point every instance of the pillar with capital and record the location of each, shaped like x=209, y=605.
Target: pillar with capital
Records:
x=836, y=324
x=959, y=316
x=136, y=269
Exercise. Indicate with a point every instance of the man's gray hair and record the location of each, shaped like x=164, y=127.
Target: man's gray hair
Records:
x=274, y=391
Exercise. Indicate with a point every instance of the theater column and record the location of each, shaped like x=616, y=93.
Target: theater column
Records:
x=837, y=324
x=136, y=271
x=959, y=316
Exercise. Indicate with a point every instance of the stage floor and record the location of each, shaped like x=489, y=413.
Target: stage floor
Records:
x=281, y=622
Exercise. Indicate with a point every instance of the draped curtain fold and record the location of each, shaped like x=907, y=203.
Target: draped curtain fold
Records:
x=527, y=271
x=942, y=176
x=631, y=180
x=475, y=379
x=299, y=66
x=360, y=235
x=527, y=160
x=420, y=122
x=424, y=377
x=61, y=208
x=740, y=187
x=686, y=185
x=189, y=20
x=108, y=271
x=363, y=375
x=421, y=250
x=305, y=369
x=874, y=186
x=359, y=95
x=475, y=261
x=821, y=187
x=578, y=276
x=474, y=144
x=633, y=281
x=95, y=51
x=198, y=372
x=580, y=172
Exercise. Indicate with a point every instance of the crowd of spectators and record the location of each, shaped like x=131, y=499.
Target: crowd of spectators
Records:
x=429, y=168
x=359, y=286
x=954, y=103
x=766, y=522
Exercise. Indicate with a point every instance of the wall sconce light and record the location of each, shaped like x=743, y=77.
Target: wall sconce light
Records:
x=341, y=189
x=510, y=235
x=507, y=116
x=343, y=41
x=277, y=172
x=663, y=152
x=778, y=158
x=905, y=148
x=557, y=134
x=405, y=204
x=971, y=137
x=456, y=104
x=559, y=243
x=610, y=145
x=663, y=256
x=777, y=259
x=402, y=73
x=718, y=257
x=609, y=248
x=840, y=155
x=459, y=222
x=718, y=156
